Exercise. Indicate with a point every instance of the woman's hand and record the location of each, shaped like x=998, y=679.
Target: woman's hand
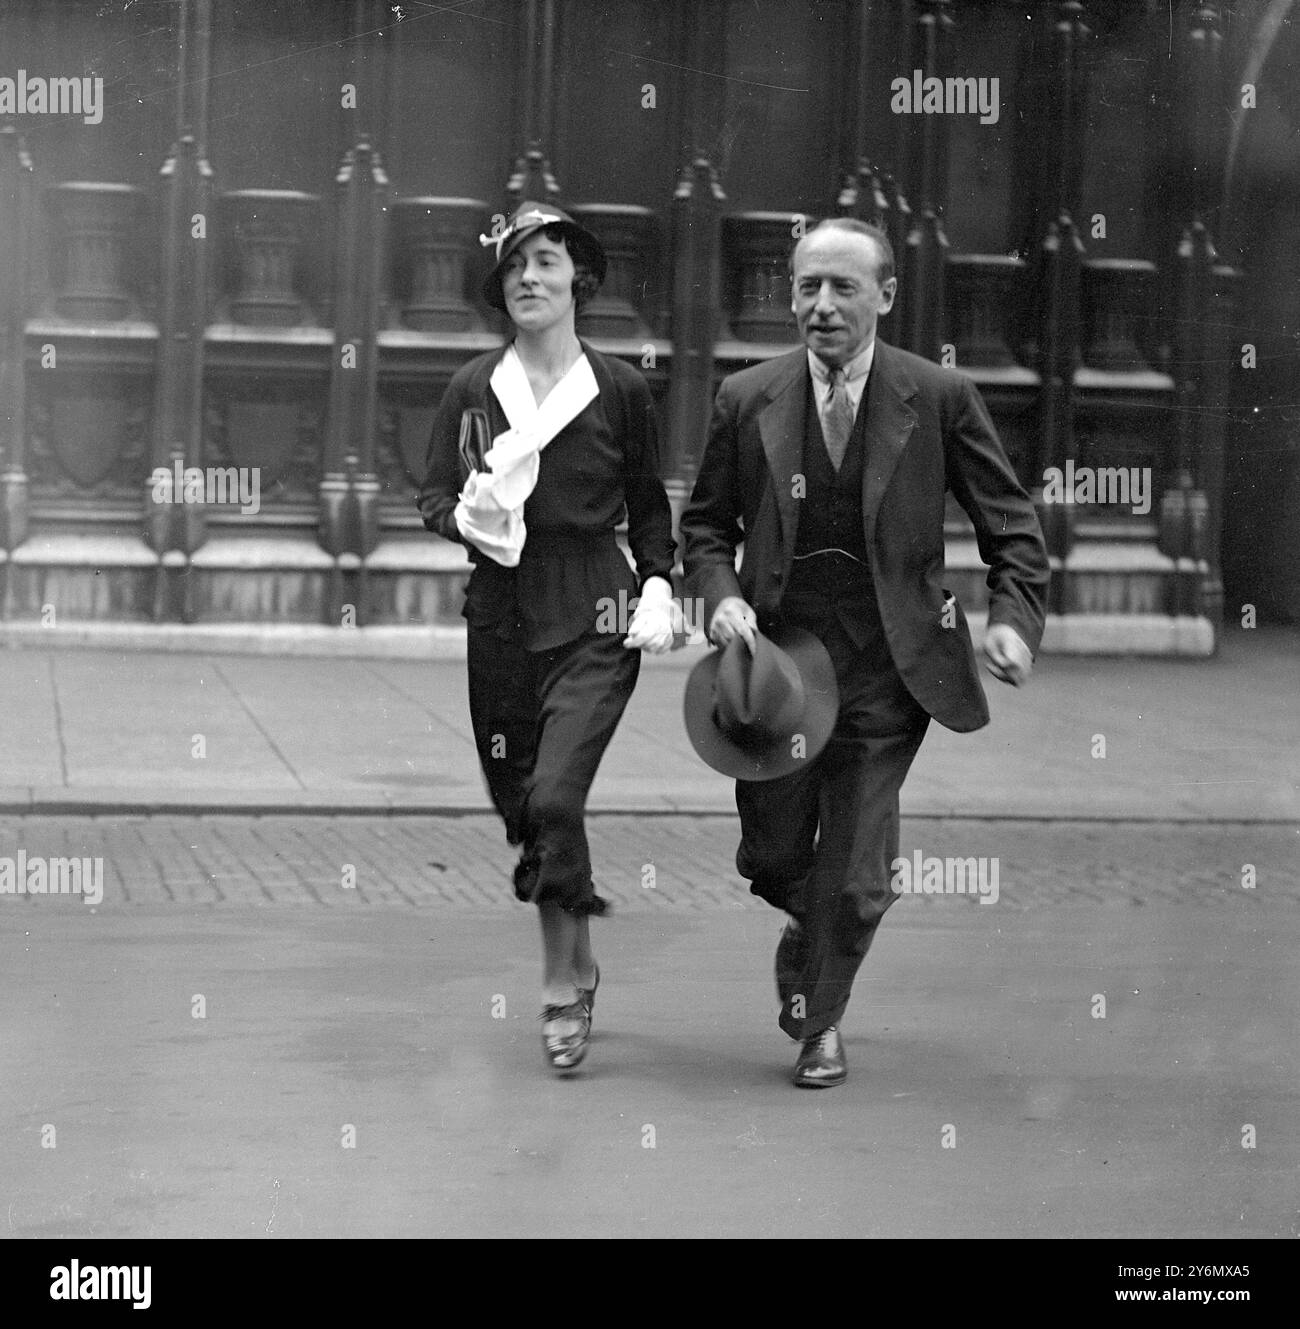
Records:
x=651, y=628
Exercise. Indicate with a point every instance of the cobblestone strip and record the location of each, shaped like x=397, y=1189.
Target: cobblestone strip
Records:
x=674, y=863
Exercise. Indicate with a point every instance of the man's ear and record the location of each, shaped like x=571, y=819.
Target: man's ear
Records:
x=887, y=293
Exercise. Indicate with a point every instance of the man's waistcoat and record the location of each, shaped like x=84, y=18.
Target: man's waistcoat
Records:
x=825, y=586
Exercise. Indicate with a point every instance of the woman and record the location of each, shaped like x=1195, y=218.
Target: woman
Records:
x=572, y=445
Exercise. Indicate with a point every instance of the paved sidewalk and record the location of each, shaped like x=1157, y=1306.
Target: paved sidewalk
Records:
x=99, y=731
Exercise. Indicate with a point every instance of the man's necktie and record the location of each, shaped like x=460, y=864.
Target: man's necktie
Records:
x=837, y=417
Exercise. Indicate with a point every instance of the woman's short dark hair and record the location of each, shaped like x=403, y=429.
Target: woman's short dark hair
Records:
x=585, y=281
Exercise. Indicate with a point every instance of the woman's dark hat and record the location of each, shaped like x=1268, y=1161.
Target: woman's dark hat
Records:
x=763, y=715
x=527, y=220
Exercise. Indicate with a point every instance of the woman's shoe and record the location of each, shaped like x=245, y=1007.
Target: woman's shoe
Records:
x=565, y=1051
x=588, y=995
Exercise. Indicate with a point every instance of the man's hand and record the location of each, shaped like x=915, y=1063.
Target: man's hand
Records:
x=1006, y=655
x=733, y=618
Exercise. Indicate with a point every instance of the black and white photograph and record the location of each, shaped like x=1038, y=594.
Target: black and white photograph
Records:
x=528, y=527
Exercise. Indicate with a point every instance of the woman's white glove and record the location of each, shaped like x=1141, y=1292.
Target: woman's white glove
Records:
x=652, y=624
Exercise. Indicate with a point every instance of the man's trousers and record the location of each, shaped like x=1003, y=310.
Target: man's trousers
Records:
x=819, y=843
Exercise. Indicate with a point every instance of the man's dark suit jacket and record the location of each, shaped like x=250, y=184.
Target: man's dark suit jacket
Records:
x=927, y=431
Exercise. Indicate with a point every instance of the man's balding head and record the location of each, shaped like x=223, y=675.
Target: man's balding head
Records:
x=852, y=226
x=841, y=281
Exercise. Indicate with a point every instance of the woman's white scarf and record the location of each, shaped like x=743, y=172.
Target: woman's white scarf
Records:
x=490, y=514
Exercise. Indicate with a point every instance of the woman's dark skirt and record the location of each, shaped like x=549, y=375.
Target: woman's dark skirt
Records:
x=542, y=721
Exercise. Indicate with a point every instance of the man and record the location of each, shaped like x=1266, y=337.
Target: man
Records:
x=832, y=463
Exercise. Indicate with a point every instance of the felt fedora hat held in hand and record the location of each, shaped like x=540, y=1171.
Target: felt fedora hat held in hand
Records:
x=762, y=715
x=528, y=219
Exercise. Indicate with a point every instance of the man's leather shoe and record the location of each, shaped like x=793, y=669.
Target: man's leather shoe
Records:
x=821, y=1063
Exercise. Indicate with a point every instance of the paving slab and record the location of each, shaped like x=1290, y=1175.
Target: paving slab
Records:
x=31, y=749
x=1178, y=740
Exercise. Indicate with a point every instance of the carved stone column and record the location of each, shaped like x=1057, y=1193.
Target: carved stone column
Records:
x=349, y=488
x=630, y=238
x=695, y=261
x=436, y=239
x=897, y=223
x=268, y=227
x=1058, y=263
x=349, y=491
x=95, y=223
x=921, y=263
x=862, y=195
x=757, y=246
x=1118, y=296
x=697, y=212
x=981, y=291
x=532, y=176
x=176, y=530
x=1185, y=518
x=16, y=192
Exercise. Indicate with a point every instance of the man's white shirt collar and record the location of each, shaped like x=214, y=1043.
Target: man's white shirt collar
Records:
x=855, y=374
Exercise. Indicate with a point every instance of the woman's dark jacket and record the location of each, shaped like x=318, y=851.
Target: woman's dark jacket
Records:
x=603, y=463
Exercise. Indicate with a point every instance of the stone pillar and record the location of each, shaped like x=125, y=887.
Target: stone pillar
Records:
x=921, y=263
x=532, y=177
x=436, y=243
x=630, y=239
x=981, y=291
x=176, y=530
x=757, y=246
x=862, y=195
x=695, y=261
x=268, y=227
x=94, y=225
x=349, y=489
x=1118, y=294
x=697, y=212
x=1185, y=519
x=16, y=185
x=1058, y=263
